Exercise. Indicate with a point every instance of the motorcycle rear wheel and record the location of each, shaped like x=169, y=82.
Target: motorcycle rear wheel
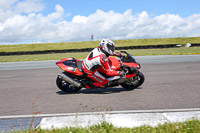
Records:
x=137, y=81
x=66, y=87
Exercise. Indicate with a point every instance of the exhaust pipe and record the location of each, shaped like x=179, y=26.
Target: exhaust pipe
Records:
x=69, y=80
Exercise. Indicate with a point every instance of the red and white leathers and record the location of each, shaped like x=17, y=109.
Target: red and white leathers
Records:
x=92, y=62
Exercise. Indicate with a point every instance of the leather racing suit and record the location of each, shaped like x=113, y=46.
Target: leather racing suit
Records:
x=92, y=62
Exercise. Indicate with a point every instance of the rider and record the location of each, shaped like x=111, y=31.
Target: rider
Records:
x=98, y=57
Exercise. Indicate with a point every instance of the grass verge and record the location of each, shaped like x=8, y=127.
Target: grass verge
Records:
x=81, y=55
x=191, y=126
x=93, y=44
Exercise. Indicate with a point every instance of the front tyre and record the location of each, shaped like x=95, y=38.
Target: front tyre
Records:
x=66, y=87
x=135, y=81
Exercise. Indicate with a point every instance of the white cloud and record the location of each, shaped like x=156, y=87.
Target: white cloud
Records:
x=6, y=4
x=6, y=9
x=19, y=24
x=28, y=6
x=79, y=19
x=58, y=14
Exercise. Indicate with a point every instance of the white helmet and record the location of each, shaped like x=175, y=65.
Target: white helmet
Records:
x=107, y=46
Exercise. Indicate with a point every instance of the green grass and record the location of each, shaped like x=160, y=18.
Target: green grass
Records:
x=81, y=55
x=191, y=126
x=92, y=44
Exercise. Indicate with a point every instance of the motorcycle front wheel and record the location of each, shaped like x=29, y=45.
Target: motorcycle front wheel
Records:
x=135, y=82
x=66, y=87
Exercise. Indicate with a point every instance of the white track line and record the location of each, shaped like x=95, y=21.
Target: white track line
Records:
x=104, y=112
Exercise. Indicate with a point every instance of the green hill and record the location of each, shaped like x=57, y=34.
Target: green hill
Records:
x=93, y=44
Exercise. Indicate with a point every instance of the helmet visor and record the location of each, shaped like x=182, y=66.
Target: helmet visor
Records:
x=111, y=47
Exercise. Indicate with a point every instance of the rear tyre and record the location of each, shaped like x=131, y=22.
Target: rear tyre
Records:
x=66, y=87
x=137, y=81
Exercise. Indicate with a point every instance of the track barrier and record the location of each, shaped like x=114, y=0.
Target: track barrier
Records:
x=90, y=49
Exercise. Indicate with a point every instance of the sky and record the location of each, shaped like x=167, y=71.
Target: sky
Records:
x=39, y=21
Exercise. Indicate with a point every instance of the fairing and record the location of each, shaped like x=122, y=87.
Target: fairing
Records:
x=114, y=64
x=69, y=65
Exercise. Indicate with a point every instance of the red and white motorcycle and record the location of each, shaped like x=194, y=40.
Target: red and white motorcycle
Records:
x=73, y=78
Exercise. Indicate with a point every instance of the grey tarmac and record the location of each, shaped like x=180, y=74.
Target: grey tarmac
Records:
x=29, y=89
x=172, y=82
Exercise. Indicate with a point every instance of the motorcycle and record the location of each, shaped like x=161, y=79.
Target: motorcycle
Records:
x=74, y=79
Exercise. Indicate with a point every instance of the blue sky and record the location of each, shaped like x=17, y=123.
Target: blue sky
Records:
x=35, y=21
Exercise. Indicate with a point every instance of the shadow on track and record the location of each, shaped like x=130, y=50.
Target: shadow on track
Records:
x=98, y=91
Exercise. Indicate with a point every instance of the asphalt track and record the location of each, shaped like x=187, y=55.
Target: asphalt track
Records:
x=172, y=82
